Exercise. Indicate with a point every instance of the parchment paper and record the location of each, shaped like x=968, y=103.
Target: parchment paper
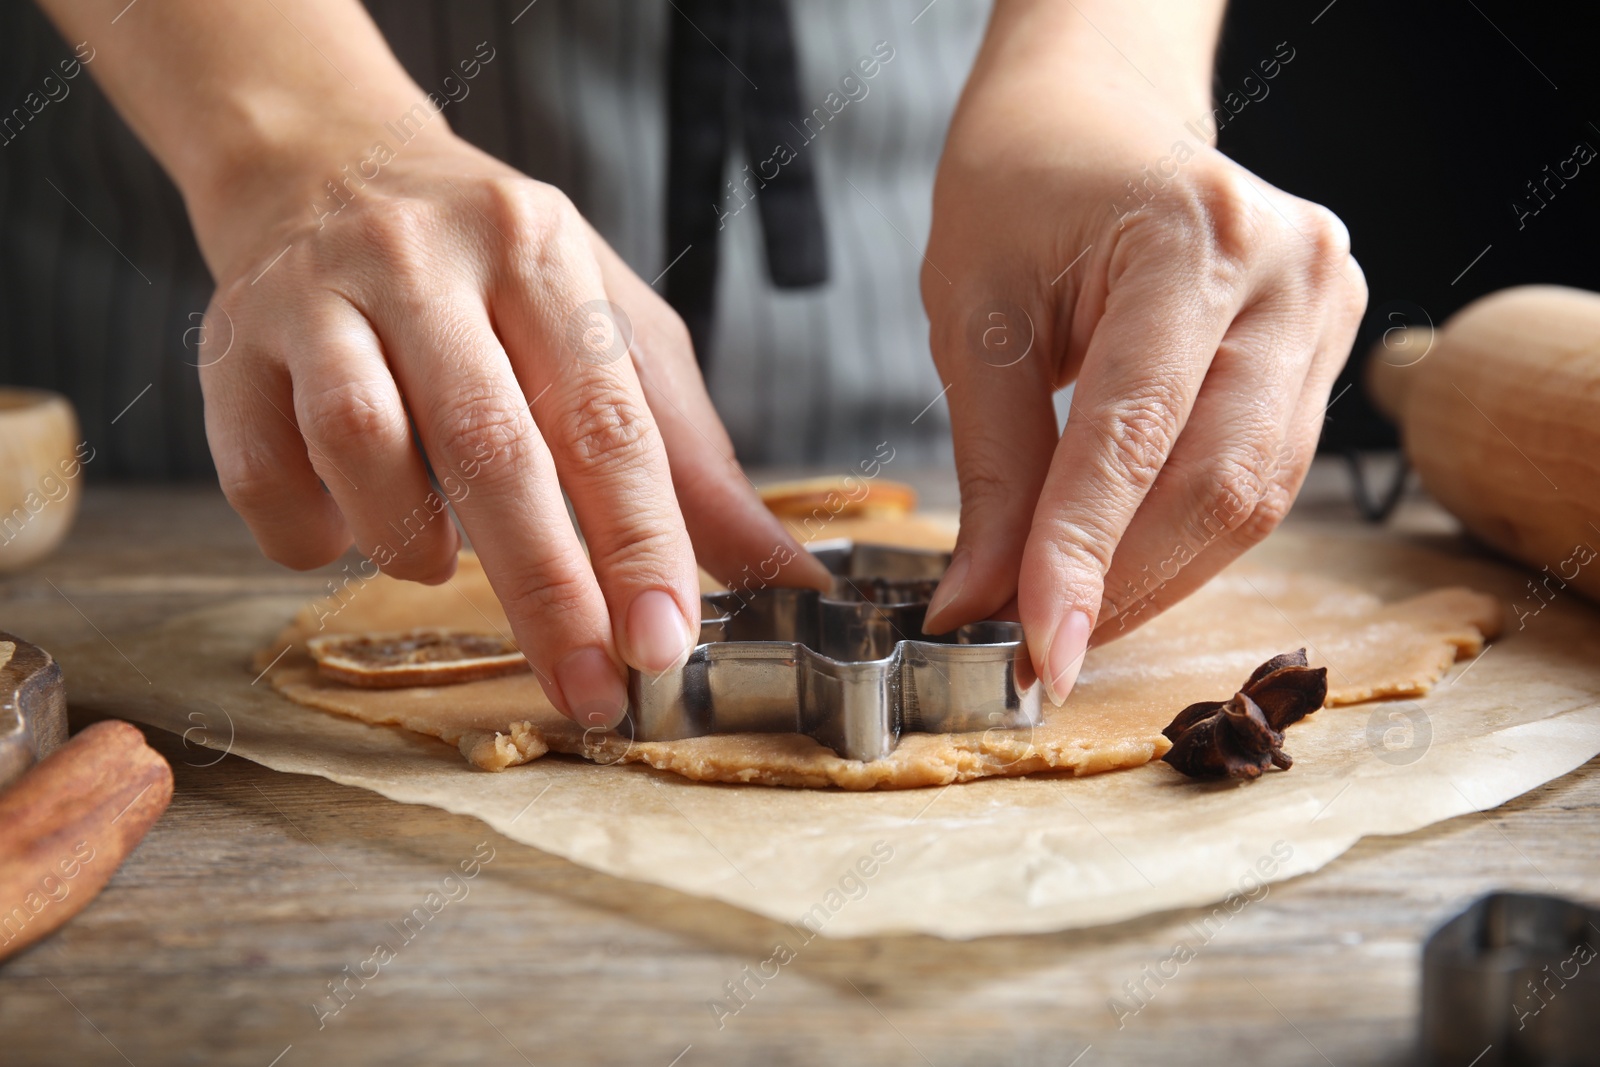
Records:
x=989, y=857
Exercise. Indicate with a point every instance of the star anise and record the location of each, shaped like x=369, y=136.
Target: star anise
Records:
x=1241, y=737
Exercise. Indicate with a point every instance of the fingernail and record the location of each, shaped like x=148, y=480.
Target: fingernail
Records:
x=658, y=634
x=594, y=690
x=1063, y=657
x=955, y=577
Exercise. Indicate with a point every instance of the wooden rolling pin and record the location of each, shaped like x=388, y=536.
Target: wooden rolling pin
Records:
x=1499, y=412
x=67, y=824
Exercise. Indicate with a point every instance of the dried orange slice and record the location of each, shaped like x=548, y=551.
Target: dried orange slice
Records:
x=414, y=657
x=839, y=497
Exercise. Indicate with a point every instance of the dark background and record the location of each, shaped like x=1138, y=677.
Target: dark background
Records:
x=1419, y=123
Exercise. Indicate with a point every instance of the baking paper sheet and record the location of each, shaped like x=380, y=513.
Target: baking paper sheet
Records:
x=998, y=856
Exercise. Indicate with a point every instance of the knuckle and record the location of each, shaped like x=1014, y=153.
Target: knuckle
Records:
x=1076, y=547
x=478, y=425
x=1270, y=510
x=639, y=554
x=239, y=353
x=1231, y=211
x=556, y=593
x=1233, y=489
x=1253, y=493
x=608, y=431
x=1139, y=432
x=351, y=416
x=1329, y=237
x=671, y=333
x=985, y=485
x=1211, y=226
x=229, y=308
x=1356, y=299
x=539, y=219
x=397, y=232
x=545, y=245
x=393, y=242
x=659, y=336
x=253, y=484
x=251, y=480
x=550, y=203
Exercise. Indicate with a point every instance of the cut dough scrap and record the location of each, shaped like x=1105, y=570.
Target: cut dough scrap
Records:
x=495, y=751
x=1201, y=649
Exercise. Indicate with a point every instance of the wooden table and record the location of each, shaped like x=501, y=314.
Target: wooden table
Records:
x=257, y=889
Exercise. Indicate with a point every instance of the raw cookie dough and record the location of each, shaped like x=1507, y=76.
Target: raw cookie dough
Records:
x=1128, y=690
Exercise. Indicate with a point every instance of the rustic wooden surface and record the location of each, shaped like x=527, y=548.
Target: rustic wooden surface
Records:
x=257, y=889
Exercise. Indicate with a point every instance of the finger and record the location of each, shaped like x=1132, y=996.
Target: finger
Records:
x=471, y=415
x=1305, y=427
x=1003, y=424
x=735, y=537
x=262, y=462
x=1222, y=489
x=1141, y=372
x=568, y=346
x=359, y=439
x=1241, y=508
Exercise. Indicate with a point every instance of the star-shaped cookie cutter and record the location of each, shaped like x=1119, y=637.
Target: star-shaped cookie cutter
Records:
x=851, y=668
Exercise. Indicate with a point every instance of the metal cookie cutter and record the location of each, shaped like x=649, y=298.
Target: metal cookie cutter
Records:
x=1513, y=980
x=851, y=668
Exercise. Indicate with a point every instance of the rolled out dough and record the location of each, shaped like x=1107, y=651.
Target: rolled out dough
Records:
x=1202, y=649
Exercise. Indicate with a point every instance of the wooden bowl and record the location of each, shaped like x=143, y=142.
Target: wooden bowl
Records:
x=41, y=473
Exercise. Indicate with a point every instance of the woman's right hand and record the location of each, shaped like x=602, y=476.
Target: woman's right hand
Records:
x=451, y=296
